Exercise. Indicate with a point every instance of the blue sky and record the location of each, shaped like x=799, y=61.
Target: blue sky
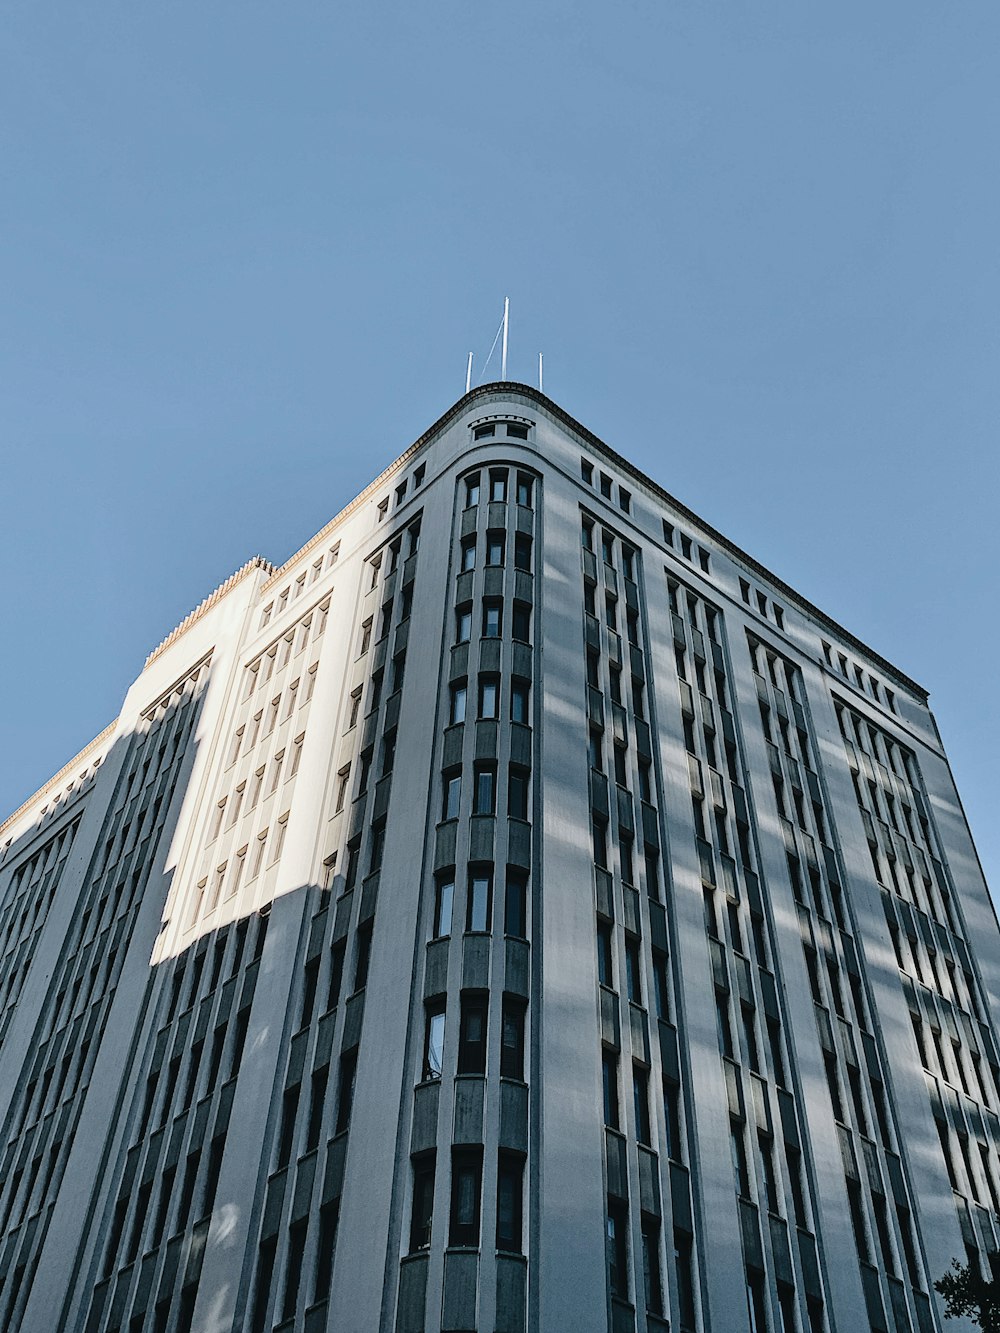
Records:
x=244, y=250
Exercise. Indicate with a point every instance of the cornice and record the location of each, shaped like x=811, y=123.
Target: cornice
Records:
x=57, y=778
x=255, y=562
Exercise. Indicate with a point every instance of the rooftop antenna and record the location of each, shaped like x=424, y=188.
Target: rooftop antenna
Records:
x=468, y=374
x=540, y=390
x=503, y=354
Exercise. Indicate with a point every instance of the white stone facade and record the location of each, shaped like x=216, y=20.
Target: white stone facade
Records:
x=519, y=911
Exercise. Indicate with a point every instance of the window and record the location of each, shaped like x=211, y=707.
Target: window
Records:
x=362, y=955
x=423, y=1202
x=517, y=793
x=444, y=896
x=334, y=555
x=609, y=1072
x=492, y=618
x=640, y=1098
x=451, y=793
x=355, y=708
x=366, y=637
x=400, y=493
x=472, y=490
x=418, y=475
x=510, y=1178
x=633, y=969
x=515, y=920
x=463, y=623
x=495, y=545
x=652, y=1284
x=685, y=546
x=484, y=432
x=434, y=1041
x=479, y=905
x=383, y=508
x=468, y=560
x=466, y=1189
x=512, y=1039
x=456, y=711
x=498, y=485
x=343, y=778
x=522, y=551
x=345, y=1089
x=484, y=800
x=625, y=499
x=606, y=969
x=519, y=701
x=617, y=1249
x=517, y=430
x=521, y=622
x=489, y=690
x=668, y=532
x=524, y=485
x=703, y=559
x=472, y=1034
x=587, y=471
x=779, y=615
x=606, y=485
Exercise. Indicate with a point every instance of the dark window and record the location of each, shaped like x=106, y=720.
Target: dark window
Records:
x=472, y=489
x=510, y=1178
x=498, y=485
x=329, y=1215
x=423, y=1203
x=466, y=1191
x=651, y=1280
x=524, y=484
x=456, y=711
x=606, y=486
x=587, y=471
x=521, y=622
x=519, y=701
x=517, y=793
x=468, y=560
x=672, y=1118
x=617, y=1249
x=633, y=969
x=685, y=547
x=703, y=559
x=625, y=499
x=463, y=623
x=640, y=1098
x=472, y=1035
x=668, y=532
x=317, y=1105
x=609, y=1071
x=522, y=551
x=512, y=1039
x=362, y=955
x=345, y=1089
x=338, y=953
x=484, y=432
x=489, y=692
x=605, y=970
x=516, y=430
x=515, y=905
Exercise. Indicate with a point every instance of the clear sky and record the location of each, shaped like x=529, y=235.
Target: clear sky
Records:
x=245, y=248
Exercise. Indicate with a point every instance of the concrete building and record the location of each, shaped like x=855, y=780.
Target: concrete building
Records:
x=518, y=911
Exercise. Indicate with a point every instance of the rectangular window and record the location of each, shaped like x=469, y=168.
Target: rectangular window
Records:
x=456, y=712
x=512, y=1039
x=423, y=1203
x=521, y=622
x=633, y=968
x=444, y=896
x=362, y=955
x=468, y=557
x=522, y=551
x=587, y=471
x=524, y=484
x=609, y=1072
x=463, y=623
x=510, y=1184
x=617, y=1249
x=652, y=1283
x=434, y=1041
x=479, y=905
x=451, y=794
x=485, y=790
x=703, y=559
x=606, y=485
x=517, y=793
x=495, y=547
x=466, y=1196
x=498, y=485
x=343, y=778
x=625, y=499
x=515, y=921
x=345, y=1089
x=492, y=618
x=489, y=691
x=472, y=1034
x=519, y=701
x=640, y=1099
x=472, y=490
x=418, y=475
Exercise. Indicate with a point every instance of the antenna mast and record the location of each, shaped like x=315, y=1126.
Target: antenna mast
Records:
x=540, y=390
x=468, y=374
x=503, y=354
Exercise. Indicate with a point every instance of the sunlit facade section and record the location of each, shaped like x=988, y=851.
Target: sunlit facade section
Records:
x=518, y=911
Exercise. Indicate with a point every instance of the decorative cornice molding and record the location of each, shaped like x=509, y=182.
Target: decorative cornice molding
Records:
x=255, y=562
x=57, y=778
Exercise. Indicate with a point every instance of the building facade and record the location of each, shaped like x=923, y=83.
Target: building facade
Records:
x=518, y=911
